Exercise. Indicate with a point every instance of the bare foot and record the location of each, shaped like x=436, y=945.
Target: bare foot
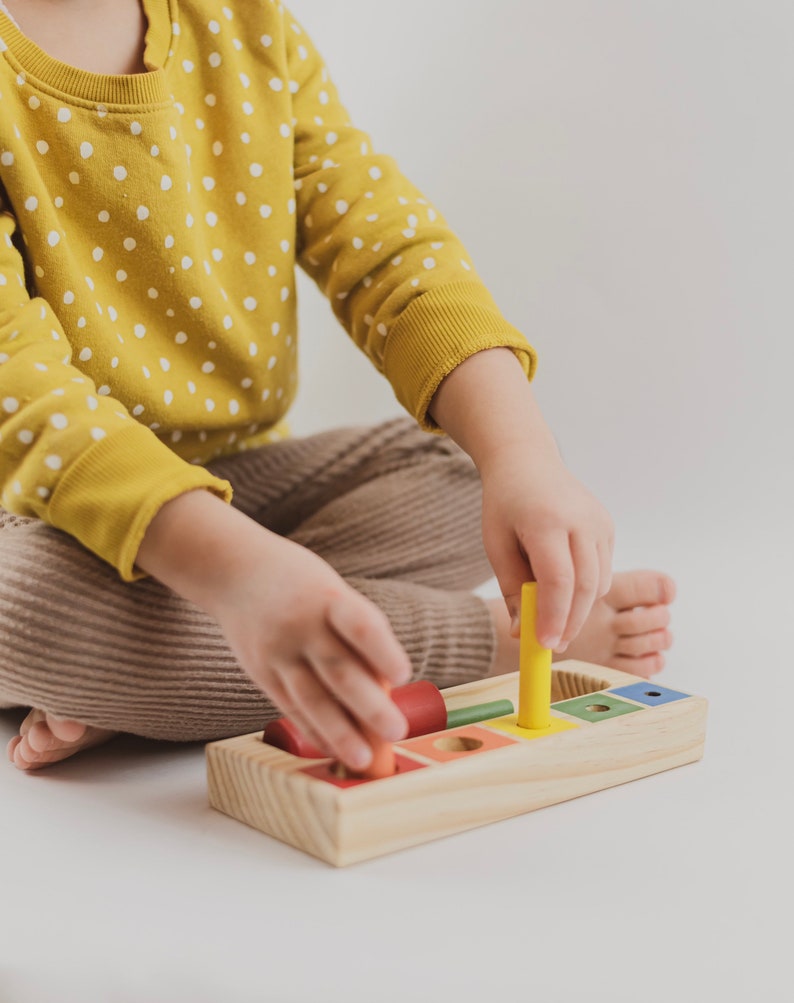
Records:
x=628, y=629
x=44, y=739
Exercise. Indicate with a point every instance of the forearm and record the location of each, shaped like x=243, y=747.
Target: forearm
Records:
x=539, y=522
x=486, y=404
x=198, y=546
x=314, y=645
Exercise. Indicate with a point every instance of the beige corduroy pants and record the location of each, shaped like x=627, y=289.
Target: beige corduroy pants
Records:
x=394, y=510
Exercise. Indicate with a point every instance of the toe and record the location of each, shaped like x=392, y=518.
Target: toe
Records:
x=45, y=739
x=644, y=666
x=12, y=746
x=30, y=756
x=640, y=588
x=644, y=644
x=41, y=739
x=65, y=730
x=22, y=755
x=631, y=622
x=667, y=588
x=32, y=718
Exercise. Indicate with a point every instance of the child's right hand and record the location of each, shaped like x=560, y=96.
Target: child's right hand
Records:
x=314, y=645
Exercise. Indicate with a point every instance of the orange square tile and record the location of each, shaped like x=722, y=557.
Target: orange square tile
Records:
x=457, y=743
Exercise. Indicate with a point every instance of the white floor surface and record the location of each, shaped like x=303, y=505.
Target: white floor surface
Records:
x=120, y=885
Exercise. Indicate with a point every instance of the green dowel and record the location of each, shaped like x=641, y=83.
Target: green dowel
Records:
x=479, y=712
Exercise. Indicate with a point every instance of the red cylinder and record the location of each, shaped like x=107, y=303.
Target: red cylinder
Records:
x=283, y=734
x=421, y=703
x=423, y=706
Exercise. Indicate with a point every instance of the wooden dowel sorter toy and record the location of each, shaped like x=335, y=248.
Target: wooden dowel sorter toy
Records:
x=606, y=728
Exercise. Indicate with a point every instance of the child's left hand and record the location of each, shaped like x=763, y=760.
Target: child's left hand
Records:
x=541, y=523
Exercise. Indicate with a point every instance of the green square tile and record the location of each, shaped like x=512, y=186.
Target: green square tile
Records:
x=596, y=707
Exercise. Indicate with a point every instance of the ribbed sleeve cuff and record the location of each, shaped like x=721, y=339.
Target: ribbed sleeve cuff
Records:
x=108, y=497
x=436, y=332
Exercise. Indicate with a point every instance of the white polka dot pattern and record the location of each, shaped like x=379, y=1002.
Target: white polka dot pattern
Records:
x=163, y=239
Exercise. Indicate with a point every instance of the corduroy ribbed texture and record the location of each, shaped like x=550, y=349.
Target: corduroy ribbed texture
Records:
x=395, y=511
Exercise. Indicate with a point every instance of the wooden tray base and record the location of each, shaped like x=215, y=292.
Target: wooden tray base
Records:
x=608, y=728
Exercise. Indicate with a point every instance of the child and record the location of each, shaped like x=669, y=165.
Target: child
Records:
x=163, y=168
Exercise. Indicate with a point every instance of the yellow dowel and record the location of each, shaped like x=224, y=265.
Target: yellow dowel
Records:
x=534, y=681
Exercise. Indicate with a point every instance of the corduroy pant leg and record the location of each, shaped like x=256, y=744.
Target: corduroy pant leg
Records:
x=394, y=510
x=397, y=513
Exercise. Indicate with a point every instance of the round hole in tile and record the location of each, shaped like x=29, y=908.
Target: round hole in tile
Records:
x=457, y=743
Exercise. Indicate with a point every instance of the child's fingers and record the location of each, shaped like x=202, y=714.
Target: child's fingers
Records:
x=604, y=551
x=363, y=627
x=552, y=565
x=587, y=571
x=511, y=567
x=315, y=711
x=349, y=681
x=278, y=694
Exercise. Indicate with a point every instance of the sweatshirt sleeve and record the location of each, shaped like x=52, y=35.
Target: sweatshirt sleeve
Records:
x=70, y=455
x=398, y=279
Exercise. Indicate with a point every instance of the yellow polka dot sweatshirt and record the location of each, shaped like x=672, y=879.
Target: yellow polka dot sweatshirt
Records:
x=149, y=229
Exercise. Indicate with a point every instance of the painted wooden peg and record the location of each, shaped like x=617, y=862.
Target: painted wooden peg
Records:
x=383, y=762
x=478, y=712
x=534, y=686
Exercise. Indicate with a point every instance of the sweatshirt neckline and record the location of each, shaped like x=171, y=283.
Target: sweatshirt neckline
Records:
x=100, y=88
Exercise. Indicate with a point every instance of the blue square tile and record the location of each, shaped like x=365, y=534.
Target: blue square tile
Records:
x=649, y=693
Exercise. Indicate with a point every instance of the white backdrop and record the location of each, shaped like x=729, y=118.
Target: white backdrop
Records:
x=621, y=173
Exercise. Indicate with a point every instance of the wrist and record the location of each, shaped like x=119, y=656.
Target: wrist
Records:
x=486, y=405
x=195, y=545
x=525, y=451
